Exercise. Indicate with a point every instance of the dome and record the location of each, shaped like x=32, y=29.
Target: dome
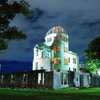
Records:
x=56, y=29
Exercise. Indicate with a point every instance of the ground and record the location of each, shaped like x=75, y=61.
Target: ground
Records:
x=71, y=93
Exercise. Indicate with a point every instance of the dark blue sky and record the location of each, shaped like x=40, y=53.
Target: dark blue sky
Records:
x=80, y=18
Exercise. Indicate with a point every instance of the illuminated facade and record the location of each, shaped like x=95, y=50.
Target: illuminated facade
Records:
x=54, y=54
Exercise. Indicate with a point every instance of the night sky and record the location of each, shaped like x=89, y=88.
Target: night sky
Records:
x=80, y=18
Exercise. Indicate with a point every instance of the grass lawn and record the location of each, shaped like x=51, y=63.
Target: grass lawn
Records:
x=71, y=93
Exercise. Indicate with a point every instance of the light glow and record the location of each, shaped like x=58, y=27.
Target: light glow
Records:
x=98, y=72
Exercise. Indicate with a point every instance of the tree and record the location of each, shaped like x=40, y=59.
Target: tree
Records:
x=93, y=65
x=8, y=10
x=93, y=55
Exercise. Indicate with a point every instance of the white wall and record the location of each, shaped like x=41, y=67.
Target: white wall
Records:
x=72, y=55
x=45, y=63
x=41, y=60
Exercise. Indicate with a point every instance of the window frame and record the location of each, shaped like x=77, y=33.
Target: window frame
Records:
x=57, y=61
x=65, y=49
x=65, y=61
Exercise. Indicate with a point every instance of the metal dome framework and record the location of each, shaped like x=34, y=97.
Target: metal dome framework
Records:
x=56, y=29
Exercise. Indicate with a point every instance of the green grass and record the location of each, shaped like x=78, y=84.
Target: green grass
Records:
x=60, y=94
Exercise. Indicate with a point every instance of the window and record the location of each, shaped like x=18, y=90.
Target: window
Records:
x=68, y=59
x=36, y=65
x=57, y=38
x=42, y=54
x=25, y=78
x=65, y=61
x=64, y=38
x=88, y=79
x=2, y=79
x=56, y=48
x=40, y=78
x=12, y=77
x=57, y=61
x=60, y=38
x=36, y=52
x=74, y=60
x=74, y=69
x=65, y=49
x=63, y=78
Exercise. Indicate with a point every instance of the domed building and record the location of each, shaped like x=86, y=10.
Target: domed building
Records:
x=54, y=66
x=54, y=54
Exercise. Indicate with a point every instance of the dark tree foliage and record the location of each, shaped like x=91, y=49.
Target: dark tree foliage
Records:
x=93, y=51
x=93, y=56
x=8, y=10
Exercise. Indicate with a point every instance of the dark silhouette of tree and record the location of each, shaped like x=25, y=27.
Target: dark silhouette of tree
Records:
x=8, y=10
x=93, y=55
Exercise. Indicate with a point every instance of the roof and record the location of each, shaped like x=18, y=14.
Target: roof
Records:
x=56, y=29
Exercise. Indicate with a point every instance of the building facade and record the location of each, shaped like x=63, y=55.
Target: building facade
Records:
x=54, y=54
